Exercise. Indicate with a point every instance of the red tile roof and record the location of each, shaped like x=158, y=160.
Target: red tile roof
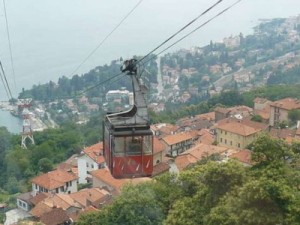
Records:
x=287, y=103
x=177, y=138
x=241, y=127
x=54, y=179
x=243, y=156
x=160, y=168
x=183, y=161
x=54, y=217
x=39, y=197
x=158, y=146
x=105, y=176
x=95, y=152
x=197, y=153
x=89, y=195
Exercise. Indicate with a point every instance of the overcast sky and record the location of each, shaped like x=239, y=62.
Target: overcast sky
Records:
x=51, y=38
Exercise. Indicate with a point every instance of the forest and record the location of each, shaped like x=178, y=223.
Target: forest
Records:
x=214, y=193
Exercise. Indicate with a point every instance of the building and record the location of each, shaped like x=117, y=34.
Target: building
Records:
x=90, y=159
x=237, y=111
x=279, y=110
x=56, y=181
x=102, y=178
x=197, y=153
x=243, y=156
x=238, y=134
x=178, y=143
x=158, y=151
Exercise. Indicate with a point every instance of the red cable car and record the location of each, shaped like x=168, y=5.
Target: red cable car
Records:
x=127, y=137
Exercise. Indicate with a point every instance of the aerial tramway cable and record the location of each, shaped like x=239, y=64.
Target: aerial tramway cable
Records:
x=197, y=28
x=202, y=25
x=6, y=85
x=106, y=37
x=182, y=29
x=9, y=44
x=172, y=36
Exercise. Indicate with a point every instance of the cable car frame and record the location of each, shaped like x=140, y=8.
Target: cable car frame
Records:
x=127, y=137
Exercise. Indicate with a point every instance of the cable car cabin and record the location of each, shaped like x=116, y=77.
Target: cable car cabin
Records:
x=128, y=139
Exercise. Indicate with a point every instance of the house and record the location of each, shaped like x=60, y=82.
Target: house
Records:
x=262, y=108
x=243, y=156
x=90, y=159
x=63, y=201
x=158, y=151
x=95, y=197
x=279, y=110
x=235, y=133
x=102, y=178
x=196, y=154
x=23, y=201
x=56, y=181
x=72, y=204
x=178, y=143
x=164, y=129
x=237, y=111
x=56, y=216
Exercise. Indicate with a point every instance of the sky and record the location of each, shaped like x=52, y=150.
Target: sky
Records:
x=51, y=38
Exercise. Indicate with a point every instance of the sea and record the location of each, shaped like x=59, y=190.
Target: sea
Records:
x=50, y=39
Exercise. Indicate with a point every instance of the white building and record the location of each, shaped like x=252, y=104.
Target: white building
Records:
x=91, y=159
x=56, y=181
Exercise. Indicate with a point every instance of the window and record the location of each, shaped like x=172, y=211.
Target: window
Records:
x=230, y=142
x=87, y=164
x=225, y=141
x=70, y=184
x=225, y=132
x=62, y=189
x=56, y=190
x=239, y=145
x=92, y=166
x=221, y=139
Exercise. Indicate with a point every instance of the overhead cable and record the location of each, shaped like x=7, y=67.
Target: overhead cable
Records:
x=183, y=28
x=197, y=28
x=107, y=36
x=2, y=78
x=7, y=85
x=9, y=44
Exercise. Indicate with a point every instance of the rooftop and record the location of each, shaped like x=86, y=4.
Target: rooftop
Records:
x=105, y=176
x=95, y=152
x=243, y=156
x=177, y=138
x=54, y=179
x=287, y=103
x=241, y=127
x=54, y=216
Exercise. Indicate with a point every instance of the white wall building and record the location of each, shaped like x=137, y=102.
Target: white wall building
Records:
x=91, y=159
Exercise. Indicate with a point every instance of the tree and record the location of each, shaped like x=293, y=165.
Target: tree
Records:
x=45, y=165
x=267, y=150
x=294, y=115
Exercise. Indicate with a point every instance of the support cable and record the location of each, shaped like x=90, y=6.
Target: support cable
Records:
x=7, y=85
x=9, y=44
x=107, y=36
x=197, y=28
x=183, y=28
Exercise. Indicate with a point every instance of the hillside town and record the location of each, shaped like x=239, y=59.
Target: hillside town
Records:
x=83, y=183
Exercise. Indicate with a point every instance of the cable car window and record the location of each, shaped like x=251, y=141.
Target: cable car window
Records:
x=119, y=145
x=147, y=145
x=134, y=145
